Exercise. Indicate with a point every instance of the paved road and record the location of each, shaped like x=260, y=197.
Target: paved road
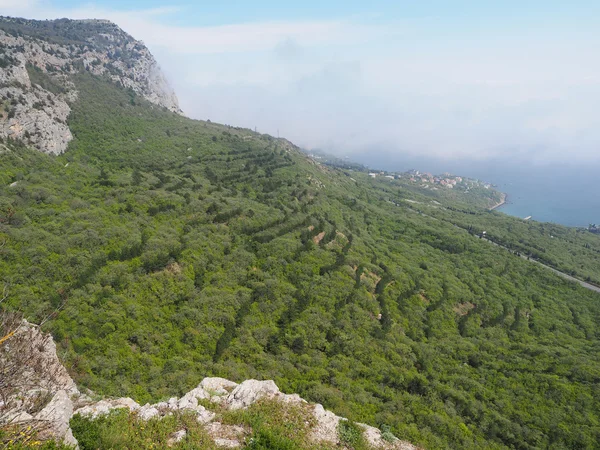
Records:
x=589, y=286
x=582, y=283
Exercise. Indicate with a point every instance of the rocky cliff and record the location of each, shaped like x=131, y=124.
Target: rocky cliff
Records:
x=38, y=60
x=47, y=399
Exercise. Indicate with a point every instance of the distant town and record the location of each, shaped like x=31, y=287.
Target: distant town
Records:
x=426, y=180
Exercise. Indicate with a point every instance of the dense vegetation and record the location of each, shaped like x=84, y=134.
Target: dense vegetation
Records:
x=175, y=249
x=574, y=251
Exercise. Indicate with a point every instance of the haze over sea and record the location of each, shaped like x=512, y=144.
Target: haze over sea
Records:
x=567, y=194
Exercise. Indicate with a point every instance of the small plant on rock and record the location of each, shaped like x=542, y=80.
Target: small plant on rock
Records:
x=351, y=435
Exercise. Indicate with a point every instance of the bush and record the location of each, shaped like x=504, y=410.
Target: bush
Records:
x=122, y=430
x=275, y=425
x=351, y=435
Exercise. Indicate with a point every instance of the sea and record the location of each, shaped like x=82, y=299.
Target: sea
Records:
x=566, y=193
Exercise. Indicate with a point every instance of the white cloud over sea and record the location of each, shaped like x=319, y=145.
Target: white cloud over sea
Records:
x=354, y=84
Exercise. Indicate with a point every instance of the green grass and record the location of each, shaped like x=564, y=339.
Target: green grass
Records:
x=120, y=430
x=26, y=437
x=274, y=425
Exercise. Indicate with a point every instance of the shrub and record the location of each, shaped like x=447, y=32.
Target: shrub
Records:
x=351, y=435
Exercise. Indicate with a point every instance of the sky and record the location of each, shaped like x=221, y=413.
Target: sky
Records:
x=447, y=80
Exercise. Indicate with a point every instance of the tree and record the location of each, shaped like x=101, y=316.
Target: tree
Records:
x=136, y=177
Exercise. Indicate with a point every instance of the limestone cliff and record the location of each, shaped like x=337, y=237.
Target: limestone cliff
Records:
x=38, y=59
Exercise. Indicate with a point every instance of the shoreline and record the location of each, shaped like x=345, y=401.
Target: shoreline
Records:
x=504, y=201
x=501, y=203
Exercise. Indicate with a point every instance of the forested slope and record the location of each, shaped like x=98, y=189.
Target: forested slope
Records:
x=176, y=249
x=574, y=251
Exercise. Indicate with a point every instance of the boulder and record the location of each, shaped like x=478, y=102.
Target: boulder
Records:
x=217, y=386
x=147, y=412
x=176, y=437
x=204, y=415
x=55, y=416
x=326, y=428
x=190, y=400
x=172, y=403
x=249, y=392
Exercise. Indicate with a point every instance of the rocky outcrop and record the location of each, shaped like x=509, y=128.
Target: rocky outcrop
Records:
x=327, y=425
x=41, y=375
x=55, y=417
x=249, y=392
x=102, y=407
x=232, y=396
x=35, y=388
x=37, y=60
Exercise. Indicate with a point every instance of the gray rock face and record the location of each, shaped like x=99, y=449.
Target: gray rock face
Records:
x=57, y=415
x=39, y=373
x=103, y=407
x=37, y=114
x=217, y=386
x=54, y=377
x=147, y=412
x=190, y=400
x=374, y=438
x=326, y=429
x=251, y=391
x=38, y=379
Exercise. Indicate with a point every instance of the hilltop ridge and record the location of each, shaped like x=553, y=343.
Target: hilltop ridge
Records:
x=38, y=59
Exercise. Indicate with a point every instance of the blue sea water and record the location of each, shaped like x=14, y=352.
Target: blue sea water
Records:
x=568, y=194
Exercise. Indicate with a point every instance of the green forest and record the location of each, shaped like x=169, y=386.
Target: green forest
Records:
x=166, y=249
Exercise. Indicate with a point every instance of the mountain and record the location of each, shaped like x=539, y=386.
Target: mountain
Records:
x=160, y=250
x=37, y=60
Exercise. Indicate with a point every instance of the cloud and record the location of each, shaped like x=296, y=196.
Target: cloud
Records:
x=252, y=37
x=149, y=25
x=288, y=50
x=350, y=85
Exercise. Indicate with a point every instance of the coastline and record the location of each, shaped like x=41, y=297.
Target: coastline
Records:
x=502, y=202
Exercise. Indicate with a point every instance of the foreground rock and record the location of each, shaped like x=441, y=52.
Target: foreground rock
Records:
x=232, y=396
x=55, y=416
x=44, y=396
x=35, y=388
